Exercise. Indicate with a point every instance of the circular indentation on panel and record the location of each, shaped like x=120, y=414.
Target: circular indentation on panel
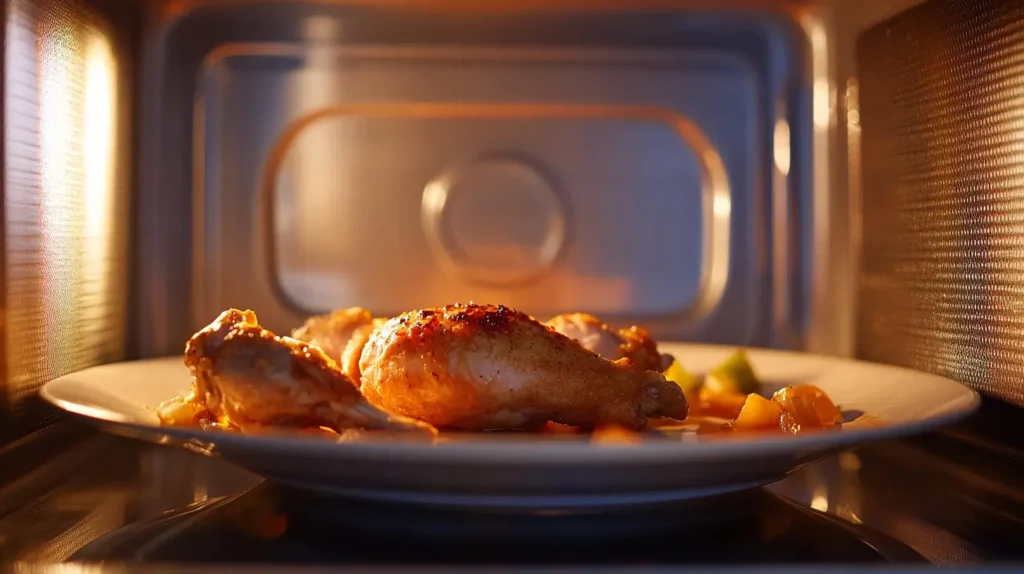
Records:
x=497, y=221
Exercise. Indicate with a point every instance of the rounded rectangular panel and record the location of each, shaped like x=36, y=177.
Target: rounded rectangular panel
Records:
x=541, y=207
x=617, y=182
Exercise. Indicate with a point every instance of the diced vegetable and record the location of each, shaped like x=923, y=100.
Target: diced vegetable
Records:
x=806, y=408
x=734, y=375
x=680, y=376
x=758, y=413
x=726, y=405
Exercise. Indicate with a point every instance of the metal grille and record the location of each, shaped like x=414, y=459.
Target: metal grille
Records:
x=65, y=208
x=942, y=118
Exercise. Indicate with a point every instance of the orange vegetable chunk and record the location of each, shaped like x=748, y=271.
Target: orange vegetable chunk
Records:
x=806, y=408
x=758, y=413
x=725, y=405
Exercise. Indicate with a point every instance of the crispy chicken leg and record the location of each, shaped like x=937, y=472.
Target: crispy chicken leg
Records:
x=245, y=376
x=487, y=367
x=634, y=343
x=341, y=334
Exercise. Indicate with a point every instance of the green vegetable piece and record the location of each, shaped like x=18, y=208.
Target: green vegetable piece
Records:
x=680, y=376
x=734, y=375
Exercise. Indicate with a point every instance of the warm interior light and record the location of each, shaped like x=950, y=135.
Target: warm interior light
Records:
x=65, y=238
x=59, y=67
x=99, y=138
x=78, y=135
x=819, y=499
x=782, y=157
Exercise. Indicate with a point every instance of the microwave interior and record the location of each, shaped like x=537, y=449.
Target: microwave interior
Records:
x=828, y=177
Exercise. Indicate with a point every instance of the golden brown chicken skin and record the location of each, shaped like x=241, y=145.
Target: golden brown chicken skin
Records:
x=247, y=377
x=634, y=343
x=354, y=350
x=341, y=334
x=488, y=367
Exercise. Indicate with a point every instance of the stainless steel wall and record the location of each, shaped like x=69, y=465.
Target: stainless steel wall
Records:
x=66, y=220
x=941, y=110
x=651, y=166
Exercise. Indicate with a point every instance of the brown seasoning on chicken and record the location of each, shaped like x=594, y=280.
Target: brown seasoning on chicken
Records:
x=489, y=367
x=247, y=377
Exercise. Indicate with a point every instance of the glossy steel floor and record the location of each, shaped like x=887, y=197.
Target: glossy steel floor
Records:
x=950, y=499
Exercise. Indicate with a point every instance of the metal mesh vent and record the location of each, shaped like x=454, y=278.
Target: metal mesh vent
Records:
x=942, y=118
x=65, y=205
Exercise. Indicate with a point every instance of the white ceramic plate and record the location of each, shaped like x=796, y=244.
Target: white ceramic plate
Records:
x=521, y=470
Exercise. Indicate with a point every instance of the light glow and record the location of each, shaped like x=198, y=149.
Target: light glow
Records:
x=65, y=233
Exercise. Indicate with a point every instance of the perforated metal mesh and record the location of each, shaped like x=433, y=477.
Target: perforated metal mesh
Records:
x=65, y=210
x=942, y=117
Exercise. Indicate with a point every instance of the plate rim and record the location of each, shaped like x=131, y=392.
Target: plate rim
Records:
x=532, y=451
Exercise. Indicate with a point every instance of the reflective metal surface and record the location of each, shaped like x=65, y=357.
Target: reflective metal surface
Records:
x=114, y=510
x=309, y=532
x=84, y=485
x=952, y=498
x=940, y=125
x=67, y=160
x=620, y=207
x=341, y=155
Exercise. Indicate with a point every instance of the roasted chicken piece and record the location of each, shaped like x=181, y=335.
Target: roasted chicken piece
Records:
x=634, y=343
x=248, y=378
x=488, y=367
x=354, y=350
x=341, y=334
